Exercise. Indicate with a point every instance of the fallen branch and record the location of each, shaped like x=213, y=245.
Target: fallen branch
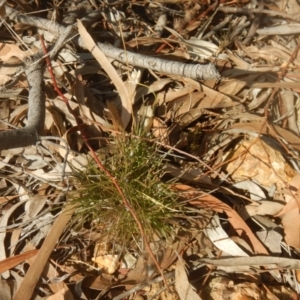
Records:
x=194, y=71
x=29, y=135
x=281, y=262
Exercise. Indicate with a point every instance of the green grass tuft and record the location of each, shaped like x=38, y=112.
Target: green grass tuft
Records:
x=137, y=168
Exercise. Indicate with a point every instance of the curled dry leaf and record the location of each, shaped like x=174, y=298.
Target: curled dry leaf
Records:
x=208, y=201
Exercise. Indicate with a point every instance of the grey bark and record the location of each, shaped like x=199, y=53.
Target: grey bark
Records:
x=281, y=262
x=194, y=71
x=29, y=135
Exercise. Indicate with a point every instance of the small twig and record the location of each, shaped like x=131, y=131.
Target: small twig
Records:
x=282, y=75
x=254, y=26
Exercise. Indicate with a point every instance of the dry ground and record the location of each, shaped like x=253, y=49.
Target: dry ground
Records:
x=159, y=151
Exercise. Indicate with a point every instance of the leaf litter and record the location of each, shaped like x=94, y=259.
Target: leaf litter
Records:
x=228, y=148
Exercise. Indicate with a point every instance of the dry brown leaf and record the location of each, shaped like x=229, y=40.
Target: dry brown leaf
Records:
x=13, y=261
x=61, y=106
x=112, y=73
x=282, y=85
x=153, y=88
x=7, y=51
x=80, y=97
x=4, y=78
x=95, y=282
x=49, y=271
x=218, y=236
x=274, y=130
x=184, y=103
x=3, y=223
x=263, y=207
x=290, y=218
x=238, y=61
x=2, y=8
x=6, y=289
x=210, y=202
x=232, y=87
x=33, y=274
x=268, y=53
x=194, y=175
x=138, y=274
x=217, y=99
x=184, y=289
x=18, y=114
x=56, y=120
x=174, y=94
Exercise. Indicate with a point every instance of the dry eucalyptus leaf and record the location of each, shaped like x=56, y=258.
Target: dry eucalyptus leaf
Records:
x=271, y=239
x=290, y=218
x=184, y=289
x=112, y=73
x=221, y=240
x=255, y=191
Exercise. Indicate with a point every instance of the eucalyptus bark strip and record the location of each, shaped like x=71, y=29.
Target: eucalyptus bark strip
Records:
x=29, y=135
